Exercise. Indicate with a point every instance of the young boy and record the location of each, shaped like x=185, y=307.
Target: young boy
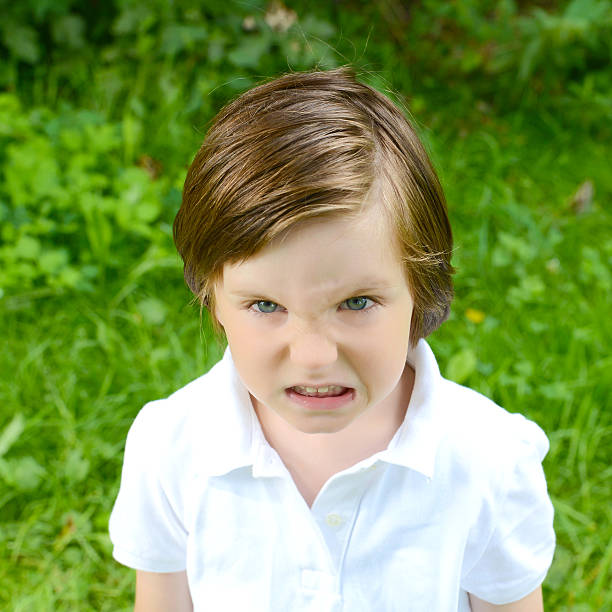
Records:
x=324, y=464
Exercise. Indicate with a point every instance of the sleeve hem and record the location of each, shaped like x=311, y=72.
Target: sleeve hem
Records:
x=511, y=595
x=137, y=562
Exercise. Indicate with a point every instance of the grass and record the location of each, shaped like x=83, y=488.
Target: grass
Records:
x=78, y=372
x=540, y=273
x=529, y=327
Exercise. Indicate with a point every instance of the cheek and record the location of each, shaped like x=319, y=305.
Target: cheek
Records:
x=391, y=345
x=382, y=353
x=252, y=348
x=394, y=331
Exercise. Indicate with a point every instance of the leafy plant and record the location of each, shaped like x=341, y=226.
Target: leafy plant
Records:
x=501, y=56
x=71, y=210
x=103, y=105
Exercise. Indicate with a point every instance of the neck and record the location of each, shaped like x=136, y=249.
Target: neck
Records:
x=369, y=433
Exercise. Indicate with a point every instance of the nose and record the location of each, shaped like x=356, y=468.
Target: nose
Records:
x=312, y=350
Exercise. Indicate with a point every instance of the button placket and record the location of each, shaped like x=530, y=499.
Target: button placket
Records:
x=336, y=511
x=334, y=520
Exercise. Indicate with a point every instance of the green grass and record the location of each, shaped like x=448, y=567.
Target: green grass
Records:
x=78, y=367
x=79, y=370
x=541, y=274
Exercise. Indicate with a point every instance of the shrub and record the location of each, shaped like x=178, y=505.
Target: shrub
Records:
x=72, y=208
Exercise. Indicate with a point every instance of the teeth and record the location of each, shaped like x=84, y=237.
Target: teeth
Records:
x=329, y=390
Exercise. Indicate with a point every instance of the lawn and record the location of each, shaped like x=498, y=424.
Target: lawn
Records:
x=95, y=319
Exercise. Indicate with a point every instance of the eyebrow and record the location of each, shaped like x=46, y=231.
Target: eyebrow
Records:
x=368, y=286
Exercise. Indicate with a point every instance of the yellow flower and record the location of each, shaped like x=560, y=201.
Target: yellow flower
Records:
x=475, y=316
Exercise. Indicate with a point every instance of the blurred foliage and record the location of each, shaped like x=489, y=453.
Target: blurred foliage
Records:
x=70, y=208
x=102, y=104
x=106, y=178
x=78, y=195
x=506, y=53
x=155, y=61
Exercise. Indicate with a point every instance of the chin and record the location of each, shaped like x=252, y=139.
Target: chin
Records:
x=322, y=425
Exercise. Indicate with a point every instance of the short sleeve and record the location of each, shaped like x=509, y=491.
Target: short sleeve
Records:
x=145, y=527
x=520, y=544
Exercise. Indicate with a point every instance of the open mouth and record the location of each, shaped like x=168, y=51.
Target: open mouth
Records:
x=321, y=399
x=328, y=391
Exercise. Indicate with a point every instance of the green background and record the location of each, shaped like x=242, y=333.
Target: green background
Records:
x=102, y=107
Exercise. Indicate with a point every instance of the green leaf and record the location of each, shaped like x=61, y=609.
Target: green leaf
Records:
x=511, y=248
x=153, y=311
x=11, y=433
x=177, y=37
x=52, y=261
x=133, y=18
x=10, y=109
x=76, y=467
x=530, y=288
x=470, y=60
x=70, y=277
x=103, y=138
x=22, y=42
x=588, y=11
x=148, y=211
x=461, y=365
x=317, y=27
x=594, y=269
x=24, y=473
x=249, y=52
x=33, y=158
x=27, y=247
x=69, y=31
x=528, y=58
x=72, y=139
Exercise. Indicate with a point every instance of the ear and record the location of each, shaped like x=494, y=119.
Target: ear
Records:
x=212, y=304
x=216, y=316
x=413, y=323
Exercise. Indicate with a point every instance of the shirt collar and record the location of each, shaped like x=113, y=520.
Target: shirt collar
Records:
x=415, y=444
x=233, y=445
x=242, y=443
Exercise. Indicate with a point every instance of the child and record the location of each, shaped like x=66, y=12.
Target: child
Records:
x=324, y=464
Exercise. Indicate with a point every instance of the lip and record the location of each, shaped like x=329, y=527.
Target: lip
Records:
x=317, y=385
x=330, y=403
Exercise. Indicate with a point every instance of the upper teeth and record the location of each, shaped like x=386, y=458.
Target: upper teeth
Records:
x=332, y=388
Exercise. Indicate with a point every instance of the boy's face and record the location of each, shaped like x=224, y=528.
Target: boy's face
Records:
x=327, y=305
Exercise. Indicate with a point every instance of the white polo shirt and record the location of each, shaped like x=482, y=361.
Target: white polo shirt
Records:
x=457, y=503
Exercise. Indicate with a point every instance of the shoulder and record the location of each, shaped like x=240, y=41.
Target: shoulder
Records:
x=483, y=437
x=167, y=431
x=492, y=459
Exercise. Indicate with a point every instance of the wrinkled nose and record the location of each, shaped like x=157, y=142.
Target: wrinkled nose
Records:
x=312, y=351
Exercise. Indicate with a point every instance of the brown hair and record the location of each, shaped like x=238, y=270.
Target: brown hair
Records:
x=310, y=145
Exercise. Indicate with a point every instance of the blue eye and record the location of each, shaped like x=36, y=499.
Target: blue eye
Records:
x=359, y=303
x=263, y=306
x=354, y=304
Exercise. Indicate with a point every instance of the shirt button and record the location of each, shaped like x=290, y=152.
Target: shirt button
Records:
x=334, y=520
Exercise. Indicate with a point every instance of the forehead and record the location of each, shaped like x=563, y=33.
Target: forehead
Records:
x=324, y=253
